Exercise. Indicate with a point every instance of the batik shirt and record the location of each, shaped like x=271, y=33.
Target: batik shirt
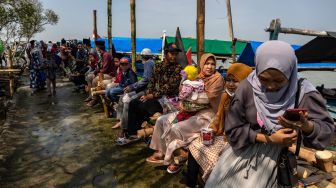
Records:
x=165, y=80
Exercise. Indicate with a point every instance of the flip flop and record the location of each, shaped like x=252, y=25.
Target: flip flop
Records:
x=154, y=159
x=174, y=168
x=125, y=141
x=117, y=125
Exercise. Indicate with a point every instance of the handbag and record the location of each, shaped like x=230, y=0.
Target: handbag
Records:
x=286, y=163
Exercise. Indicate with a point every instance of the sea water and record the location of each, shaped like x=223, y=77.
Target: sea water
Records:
x=317, y=78
x=328, y=78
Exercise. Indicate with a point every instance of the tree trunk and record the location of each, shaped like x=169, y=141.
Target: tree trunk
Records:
x=109, y=24
x=200, y=28
x=133, y=33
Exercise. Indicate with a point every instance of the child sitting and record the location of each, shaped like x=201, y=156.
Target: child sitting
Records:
x=192, y=95
x=128, y=77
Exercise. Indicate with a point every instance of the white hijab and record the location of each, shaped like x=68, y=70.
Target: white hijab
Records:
x=270, y=105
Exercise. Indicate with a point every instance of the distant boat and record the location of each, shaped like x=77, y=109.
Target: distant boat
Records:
x=329, y=94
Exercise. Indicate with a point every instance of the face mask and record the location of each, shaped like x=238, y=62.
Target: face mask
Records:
x=231, y=94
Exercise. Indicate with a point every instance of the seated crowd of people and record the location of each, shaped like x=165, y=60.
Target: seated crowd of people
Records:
x=244, y=111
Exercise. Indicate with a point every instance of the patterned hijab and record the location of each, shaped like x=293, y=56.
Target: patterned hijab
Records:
x=270, y=105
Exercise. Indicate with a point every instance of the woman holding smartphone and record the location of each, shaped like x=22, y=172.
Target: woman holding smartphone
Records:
x=255, y=127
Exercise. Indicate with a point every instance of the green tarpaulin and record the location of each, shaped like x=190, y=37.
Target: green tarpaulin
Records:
x=216, y=47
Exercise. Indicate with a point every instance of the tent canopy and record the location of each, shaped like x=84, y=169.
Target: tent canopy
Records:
x=123, y=44
x=320, y=49
x=216, y=47
x=247, y=56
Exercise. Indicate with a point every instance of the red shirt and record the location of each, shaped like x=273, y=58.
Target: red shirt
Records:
x=108, y=65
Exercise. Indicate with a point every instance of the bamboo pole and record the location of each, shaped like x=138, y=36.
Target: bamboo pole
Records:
x=95, y=25
x=229, y=14
x=11, y=76
x=5, y=71
x=109, y=24
x=200, y=28
x=133, y=33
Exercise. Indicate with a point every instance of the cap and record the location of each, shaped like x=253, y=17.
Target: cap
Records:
x=125, y=60
x=146, y=51
x=171, y=47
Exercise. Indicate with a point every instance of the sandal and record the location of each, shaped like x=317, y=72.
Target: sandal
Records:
x=92, y=103
x=117, y=125
x=174, y=168
x=155, y=158
x=125, y=141
x=88, y=99
x=180, y=160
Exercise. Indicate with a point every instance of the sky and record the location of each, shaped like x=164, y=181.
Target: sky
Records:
x=250, y=18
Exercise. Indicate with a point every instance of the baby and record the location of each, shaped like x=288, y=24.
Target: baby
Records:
x=191, y=86
x=192, y=95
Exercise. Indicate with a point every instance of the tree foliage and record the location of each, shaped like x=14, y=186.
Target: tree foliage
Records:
x=22, y=19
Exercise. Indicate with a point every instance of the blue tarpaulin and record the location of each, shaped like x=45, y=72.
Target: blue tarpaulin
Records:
x=123, y=44
x=247, y=56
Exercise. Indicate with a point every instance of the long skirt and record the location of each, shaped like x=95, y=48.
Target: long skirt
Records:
x=254, y=166
x=207, y=156
x=167, y=136
x=37, y=79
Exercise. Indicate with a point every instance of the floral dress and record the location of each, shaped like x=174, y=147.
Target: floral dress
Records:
x=37, y=75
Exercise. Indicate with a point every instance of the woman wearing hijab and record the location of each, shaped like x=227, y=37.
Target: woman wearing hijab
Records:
x=169, y=136
x=207, y=156
x=255, y=127
x=37, y=75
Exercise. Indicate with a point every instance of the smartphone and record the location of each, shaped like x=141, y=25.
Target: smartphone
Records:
x=293, y=114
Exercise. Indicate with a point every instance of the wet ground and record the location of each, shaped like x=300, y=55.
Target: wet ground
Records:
x=59, y=142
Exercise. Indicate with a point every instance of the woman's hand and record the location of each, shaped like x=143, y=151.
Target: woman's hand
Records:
x=285, y=137
x=304, y=124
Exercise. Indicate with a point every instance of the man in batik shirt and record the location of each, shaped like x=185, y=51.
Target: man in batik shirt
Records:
x=165, y=81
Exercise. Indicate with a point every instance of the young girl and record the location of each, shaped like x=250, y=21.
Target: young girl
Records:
x=255, y=127
x=204, y=157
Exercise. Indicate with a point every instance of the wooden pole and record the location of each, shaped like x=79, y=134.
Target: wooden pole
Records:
x=133, y=33
x=109, y=24
x=95, y=25
x=11, y=76
x=200, y=28
x=229, y=14
x=296, y=31
x=276, y=27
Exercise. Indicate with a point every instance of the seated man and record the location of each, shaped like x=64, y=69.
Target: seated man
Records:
x=128, y=77
x=135, y=90
x=107, y=70
x=165, y=81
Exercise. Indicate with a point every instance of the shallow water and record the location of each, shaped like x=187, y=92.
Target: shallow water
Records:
x=59, y=142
